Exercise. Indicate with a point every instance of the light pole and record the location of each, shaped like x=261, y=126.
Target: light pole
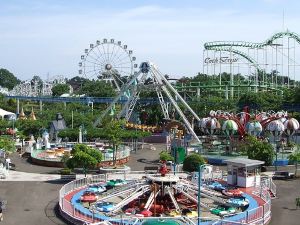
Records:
x=277, y=150
x=174, y=132
x=199, y=191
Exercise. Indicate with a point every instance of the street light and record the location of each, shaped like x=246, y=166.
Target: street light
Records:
x=174, y=132
x=199, y=187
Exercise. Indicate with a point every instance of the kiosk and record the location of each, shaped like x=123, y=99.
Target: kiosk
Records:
x=243, y=172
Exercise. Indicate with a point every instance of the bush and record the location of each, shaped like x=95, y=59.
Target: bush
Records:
x=65, y=171
x=165, y=156
x=259, y=150
x=192, y=162
x=291, y=144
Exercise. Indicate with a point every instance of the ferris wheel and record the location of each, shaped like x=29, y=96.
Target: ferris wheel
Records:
x=108, y=60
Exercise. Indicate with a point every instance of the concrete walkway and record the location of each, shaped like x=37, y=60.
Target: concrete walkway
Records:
x=23, y=176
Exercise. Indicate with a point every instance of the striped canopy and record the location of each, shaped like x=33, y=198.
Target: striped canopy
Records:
x=202, y=123
x=229, y=127
x=291, y=125
x=275, y=127
x=254, y=128
x=212, y=125
x=212, y=113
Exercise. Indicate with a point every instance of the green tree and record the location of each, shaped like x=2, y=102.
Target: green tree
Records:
x=192, y=162
x=7, y=144
x=113, y=131
x=258, y=150
x=261, y=100
x=98, y=88
x=60, y=89
x=84, y=157
x=4, y=124
x=37, y=80
x=295, y=158
x=165, y=156
x=77, y=82
x=31, y=127
x=7, y=79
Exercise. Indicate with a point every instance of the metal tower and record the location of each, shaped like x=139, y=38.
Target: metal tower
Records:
x=131, y=90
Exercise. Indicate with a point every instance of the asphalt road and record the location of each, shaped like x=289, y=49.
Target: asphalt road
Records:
x=30, y=203
x=283, y=207
x=33, y=203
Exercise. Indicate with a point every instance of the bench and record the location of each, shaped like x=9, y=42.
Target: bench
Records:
x=151, y=169
x=283, y=175
x=68, y=177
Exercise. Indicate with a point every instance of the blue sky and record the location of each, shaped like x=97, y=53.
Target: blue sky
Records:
x=47, y=37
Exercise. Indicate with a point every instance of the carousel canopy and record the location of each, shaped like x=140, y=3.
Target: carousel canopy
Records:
x=7, y=115
x=230, y=125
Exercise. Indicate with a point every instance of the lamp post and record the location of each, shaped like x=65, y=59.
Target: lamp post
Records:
x=277, y=150
x=174, y=146
x=199, y=191
x=93, y=211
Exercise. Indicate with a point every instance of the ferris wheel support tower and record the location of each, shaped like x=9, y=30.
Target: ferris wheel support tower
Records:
x=161, y=85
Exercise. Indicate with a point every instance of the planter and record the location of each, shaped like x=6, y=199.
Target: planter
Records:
x=124, y=169
x=68, y=177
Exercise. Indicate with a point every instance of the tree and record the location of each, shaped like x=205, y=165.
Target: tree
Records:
x=38, y=82
x=192, y=162
x=31, y=127
x=7, y=79
x=60, y=89
x=258, y=150
x=295, y=158
x=261, y=100
x=84, y=157
x=165, y=156
x=98, y=89
x=77, y=82
x=7, y=144
x=114, y=130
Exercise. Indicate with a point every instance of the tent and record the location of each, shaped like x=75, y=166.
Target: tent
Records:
x=7, y=115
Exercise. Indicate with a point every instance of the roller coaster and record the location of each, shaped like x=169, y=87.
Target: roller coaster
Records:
x=267, y=66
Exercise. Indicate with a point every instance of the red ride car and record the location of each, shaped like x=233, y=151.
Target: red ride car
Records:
x=88, y=196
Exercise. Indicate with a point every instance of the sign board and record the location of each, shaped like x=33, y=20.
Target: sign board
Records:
x=223, y=59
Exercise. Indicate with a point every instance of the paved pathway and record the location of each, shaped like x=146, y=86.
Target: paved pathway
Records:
x=23, y=176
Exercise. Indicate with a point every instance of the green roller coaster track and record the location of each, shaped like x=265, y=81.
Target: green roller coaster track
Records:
x=228, y=46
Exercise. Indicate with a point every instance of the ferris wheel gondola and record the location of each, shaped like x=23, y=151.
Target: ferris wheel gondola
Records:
x=108, y=60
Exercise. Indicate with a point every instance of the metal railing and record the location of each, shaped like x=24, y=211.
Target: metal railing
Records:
x=258, y=215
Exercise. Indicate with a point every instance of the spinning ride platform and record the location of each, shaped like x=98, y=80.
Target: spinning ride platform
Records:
x=159, y=197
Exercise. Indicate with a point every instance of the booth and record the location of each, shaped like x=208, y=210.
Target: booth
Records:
x=243, y=172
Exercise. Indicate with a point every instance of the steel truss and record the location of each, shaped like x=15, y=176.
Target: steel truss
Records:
x=161, y=85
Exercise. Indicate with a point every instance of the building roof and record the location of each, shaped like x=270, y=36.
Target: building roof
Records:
x=243, y=162
x=58, y=125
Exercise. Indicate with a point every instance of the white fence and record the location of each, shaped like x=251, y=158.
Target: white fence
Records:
x=259, y=215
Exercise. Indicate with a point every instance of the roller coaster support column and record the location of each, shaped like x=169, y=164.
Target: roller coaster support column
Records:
x=177, y=95
x=198, y=92
x=41, y=105
x=199, y=192
x=18, y=106
x=226, y=93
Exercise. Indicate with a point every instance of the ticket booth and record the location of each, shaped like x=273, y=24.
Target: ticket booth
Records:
x=243, y=172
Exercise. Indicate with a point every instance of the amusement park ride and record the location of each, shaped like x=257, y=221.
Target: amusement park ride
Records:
x=165, y=196
x=268, y=66
x=136, y=84
x=108, y=60
x=245, y=123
